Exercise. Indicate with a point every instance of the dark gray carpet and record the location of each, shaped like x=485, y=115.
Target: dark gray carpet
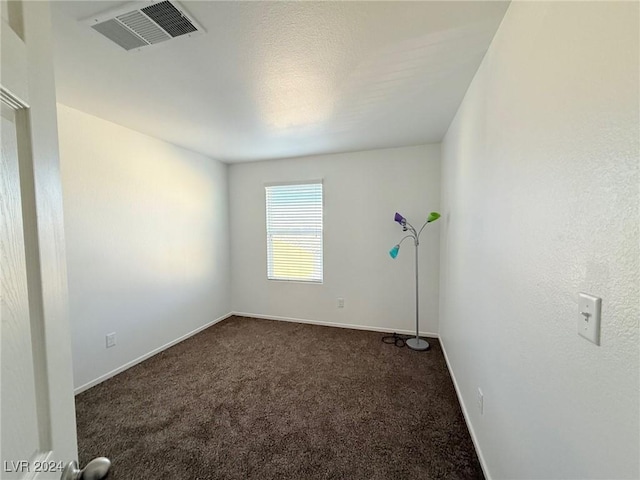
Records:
x=261, y=399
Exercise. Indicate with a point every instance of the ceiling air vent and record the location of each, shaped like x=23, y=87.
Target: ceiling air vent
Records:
x=134, y=26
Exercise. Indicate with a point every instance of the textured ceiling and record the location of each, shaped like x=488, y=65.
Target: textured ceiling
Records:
x=282, y=79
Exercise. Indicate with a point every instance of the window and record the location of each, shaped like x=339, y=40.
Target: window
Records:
x=294, y=232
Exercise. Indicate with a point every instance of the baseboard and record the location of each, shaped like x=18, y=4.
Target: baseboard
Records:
x=153, y=352
x=334, y=324
x=467, y=418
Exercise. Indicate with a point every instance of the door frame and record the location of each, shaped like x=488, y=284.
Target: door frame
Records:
x=28, y=87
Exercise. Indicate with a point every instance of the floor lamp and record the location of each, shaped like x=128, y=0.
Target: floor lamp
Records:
x=413, y=343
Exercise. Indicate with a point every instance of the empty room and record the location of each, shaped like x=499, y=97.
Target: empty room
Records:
x=362, y=240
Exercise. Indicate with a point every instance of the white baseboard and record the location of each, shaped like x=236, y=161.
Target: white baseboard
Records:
x=334, y=324
x=467, y=418
x=153, y=352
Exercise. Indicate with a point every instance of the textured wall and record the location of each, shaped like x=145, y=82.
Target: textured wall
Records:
x=362, y=191
x=147, y=231
x=540, y=200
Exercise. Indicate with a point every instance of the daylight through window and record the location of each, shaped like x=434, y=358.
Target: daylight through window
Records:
x=294, y=232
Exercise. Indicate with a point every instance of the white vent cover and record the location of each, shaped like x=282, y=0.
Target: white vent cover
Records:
x=143, y=23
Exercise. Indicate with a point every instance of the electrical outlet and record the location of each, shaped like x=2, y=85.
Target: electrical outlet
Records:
x=340, y=302
x=480, y=401
x=111, y=339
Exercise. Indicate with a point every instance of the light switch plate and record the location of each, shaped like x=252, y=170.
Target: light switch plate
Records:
x=589, y=308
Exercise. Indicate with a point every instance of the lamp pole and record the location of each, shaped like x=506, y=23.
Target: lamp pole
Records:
x=417, y=343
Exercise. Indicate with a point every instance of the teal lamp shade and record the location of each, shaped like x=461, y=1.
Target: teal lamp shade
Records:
x=394, y=251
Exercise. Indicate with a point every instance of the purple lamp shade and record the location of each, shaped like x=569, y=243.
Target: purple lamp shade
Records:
x=400, y=219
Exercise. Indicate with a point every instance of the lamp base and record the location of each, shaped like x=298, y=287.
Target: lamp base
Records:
x=417, y=344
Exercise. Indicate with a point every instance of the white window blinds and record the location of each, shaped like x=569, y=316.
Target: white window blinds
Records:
x=294, y=232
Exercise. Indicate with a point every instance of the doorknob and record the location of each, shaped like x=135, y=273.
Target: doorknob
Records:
x=96, y=469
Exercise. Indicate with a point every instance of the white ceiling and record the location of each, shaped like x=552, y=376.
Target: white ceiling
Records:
x=282, y=79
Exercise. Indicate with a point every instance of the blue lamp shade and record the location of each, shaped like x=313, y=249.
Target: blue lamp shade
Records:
x=394, y=251
x=400, y=219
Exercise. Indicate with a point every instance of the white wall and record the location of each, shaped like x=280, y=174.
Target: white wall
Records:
x=540, y=199
x=147, y=241
x=362, y=192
